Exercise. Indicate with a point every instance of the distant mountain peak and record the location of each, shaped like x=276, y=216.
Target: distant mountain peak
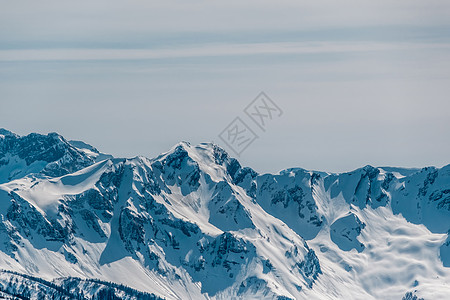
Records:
x=39, y=154
x=4, y=132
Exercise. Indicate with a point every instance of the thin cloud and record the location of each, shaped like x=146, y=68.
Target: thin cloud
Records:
x=209, y=51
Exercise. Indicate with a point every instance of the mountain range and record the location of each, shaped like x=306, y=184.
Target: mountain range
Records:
x=193, y=223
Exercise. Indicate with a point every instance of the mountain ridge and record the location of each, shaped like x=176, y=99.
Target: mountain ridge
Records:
x=196, y=224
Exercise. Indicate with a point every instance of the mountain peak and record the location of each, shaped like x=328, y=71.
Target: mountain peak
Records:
x=203, y=152
x=4, y=132
x=40, y=154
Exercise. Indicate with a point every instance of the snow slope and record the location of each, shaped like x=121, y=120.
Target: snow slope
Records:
x=194, y=224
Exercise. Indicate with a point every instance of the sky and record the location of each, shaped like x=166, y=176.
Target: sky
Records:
x=358, y=82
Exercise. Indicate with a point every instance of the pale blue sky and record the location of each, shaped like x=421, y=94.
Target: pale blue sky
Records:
x=359, y=82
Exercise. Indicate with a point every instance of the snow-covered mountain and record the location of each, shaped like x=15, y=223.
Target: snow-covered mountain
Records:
x=42, y=155
x=193, y=223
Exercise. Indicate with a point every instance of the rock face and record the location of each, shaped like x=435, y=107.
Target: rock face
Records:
x=193, y=224
x=344, y=232
x=49, y=155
